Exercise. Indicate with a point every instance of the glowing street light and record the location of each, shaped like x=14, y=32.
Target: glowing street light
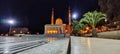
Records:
x=75, y=16
x=87, y=28
x=11, y=22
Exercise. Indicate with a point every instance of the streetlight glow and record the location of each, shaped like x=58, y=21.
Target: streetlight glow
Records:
x=75, y=16
x=11, y=21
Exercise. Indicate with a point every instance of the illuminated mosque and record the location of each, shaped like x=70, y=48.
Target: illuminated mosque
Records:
x=58, y=27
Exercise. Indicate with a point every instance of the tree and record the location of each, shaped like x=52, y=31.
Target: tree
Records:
x=92, y=18
x=74, y=23
x=77, y=27
x=111, y=8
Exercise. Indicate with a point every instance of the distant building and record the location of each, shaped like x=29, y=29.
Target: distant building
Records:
x=19, y=30
x=58, y=27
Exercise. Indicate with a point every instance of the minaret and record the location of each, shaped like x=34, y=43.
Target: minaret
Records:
x=69, y=15
x=52, y=17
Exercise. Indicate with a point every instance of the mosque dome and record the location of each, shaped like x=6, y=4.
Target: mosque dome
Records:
x=59, y=21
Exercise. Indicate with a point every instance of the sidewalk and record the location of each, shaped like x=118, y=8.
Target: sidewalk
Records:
x=81, y=45
x=12, y=44
x=57, y=47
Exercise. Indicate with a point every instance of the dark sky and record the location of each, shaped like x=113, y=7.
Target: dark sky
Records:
x=34, y=14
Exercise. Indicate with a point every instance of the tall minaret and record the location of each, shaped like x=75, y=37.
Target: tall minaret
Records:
x=52, y=17
x=69, y=15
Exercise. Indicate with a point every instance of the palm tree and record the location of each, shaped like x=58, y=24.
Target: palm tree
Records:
x=77, y=27
x=92, y=18
x=74, y=23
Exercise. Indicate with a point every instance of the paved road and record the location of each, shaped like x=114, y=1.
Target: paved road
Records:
x=17, y=44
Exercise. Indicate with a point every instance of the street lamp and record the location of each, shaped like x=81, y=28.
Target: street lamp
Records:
x=75, y=16
x=11, y=22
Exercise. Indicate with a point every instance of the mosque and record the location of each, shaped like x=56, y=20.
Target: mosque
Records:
x=58, y=27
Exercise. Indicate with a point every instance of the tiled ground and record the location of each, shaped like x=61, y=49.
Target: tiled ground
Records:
x=81, y=45
x=57, y=47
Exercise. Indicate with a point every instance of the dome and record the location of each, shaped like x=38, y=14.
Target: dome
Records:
x=59, y=21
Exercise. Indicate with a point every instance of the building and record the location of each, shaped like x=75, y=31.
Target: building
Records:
x=58, y=27
x=19, y=30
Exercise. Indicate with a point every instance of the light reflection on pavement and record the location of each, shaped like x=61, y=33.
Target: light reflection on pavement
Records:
x=50, y=39
x=7, y=44
x=23, y=39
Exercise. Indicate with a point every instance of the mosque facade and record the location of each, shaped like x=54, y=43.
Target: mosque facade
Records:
x=58, y=27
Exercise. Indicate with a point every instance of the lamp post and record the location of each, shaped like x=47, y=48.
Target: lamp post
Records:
x=74, y=17
x=11, y=22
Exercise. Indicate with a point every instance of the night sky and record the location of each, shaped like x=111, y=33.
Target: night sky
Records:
x=34, y=14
